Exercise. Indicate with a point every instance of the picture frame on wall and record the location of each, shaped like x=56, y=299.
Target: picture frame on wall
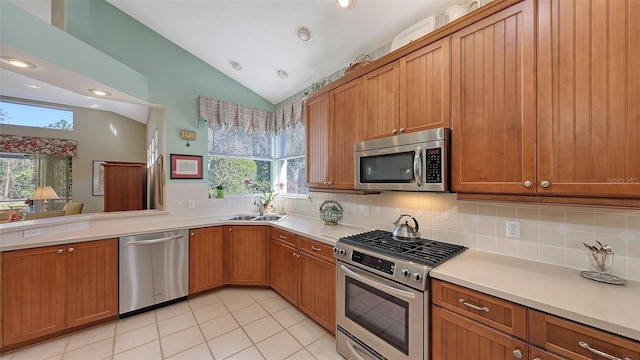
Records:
x=186, y=166
x=98, y=178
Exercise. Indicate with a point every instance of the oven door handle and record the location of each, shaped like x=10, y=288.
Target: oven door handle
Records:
x=353, y=350
x=375, y=284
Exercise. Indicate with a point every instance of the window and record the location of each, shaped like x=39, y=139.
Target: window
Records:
x=35, y=116
x=235, y=157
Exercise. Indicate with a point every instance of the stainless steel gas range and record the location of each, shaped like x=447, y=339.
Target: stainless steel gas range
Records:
x=382, y=294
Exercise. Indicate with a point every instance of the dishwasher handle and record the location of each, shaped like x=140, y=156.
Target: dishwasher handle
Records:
x=154, y=241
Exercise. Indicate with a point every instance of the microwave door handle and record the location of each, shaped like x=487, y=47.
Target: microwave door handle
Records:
x=417, y=166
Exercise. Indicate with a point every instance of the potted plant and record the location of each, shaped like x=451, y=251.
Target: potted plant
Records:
x=220, y=191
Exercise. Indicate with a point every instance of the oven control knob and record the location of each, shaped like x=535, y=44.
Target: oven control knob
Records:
x=338, y=251
x=417, y=277
x=405, y=272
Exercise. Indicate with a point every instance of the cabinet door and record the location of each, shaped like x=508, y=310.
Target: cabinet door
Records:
x=493, y=103
x=345, y=131
x=588, y=90
x=207, y=260
x=317, y=138
x=381, y=102
x=92, y=281
x=33, y=293
x=283, y=270
x=425, y=98
x=456, y=337
x=125, y=186
x=247, y=255
x=318, y=290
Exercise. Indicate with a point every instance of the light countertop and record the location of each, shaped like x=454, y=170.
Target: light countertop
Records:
x=549, y=288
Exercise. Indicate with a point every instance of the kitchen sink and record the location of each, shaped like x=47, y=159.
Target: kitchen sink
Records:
x=269, y=217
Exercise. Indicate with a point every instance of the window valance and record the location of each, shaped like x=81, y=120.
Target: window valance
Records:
x=38, y=145
x=218, y=114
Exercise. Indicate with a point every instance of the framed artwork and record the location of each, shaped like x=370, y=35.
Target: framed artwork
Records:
x=186, y=166
x=98, y=178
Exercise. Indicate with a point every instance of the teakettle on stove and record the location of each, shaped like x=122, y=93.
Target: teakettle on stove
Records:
x=405, y=232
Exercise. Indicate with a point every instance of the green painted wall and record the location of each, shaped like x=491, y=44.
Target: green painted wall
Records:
x=176, y=77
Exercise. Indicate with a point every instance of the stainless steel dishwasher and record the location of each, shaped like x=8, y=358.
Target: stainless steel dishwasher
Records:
x=154, y=270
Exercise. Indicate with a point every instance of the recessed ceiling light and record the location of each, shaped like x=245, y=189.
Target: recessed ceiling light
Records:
x=236, y=65
x=33, y=86
x=99, y=92
x=283, y=74
x=345, y=4
x=303, y=33
x=18, y=62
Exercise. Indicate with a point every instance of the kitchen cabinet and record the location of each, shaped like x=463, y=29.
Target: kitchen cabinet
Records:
x=317, y=297
x=425, y=96
x=283, y=264
x=588, y=110
x=125, y=186
x=572, y=340
x=381, y=102
x=493, y=103
x=47, y=290
x=333, y=127
x=207, y=259
x=247, y=254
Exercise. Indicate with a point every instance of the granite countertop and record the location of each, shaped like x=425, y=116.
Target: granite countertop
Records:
x=554, y=289
x=549, y=288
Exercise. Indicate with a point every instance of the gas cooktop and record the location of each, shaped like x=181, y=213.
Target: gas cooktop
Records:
x=422, y=251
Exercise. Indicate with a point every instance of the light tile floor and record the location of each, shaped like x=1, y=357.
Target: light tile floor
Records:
x=231, y=323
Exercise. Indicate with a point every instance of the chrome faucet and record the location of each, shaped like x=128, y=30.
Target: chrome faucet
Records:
x=260, y=206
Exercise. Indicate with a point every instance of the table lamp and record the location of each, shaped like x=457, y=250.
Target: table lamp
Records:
x=44, y=193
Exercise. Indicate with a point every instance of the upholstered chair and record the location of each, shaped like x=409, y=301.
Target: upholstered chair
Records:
x=72, y=208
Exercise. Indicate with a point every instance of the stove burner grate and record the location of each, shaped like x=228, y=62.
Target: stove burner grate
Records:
x=427, y=252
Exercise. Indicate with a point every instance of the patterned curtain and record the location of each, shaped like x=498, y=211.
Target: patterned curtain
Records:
x=38, y=145
x=218, y=114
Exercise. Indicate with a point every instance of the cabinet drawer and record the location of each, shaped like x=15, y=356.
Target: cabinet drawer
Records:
x=574, y=341
x=283, y=236
x=497, y=313
x=317, y=249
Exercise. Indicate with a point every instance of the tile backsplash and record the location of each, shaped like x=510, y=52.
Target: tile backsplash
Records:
x=550, y=234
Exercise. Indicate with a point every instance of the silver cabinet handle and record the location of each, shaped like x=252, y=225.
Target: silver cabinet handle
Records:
x=537, y=358
x=528, y=184
x=545, y=184
x=475, y=307
x=60, y=251
x=395, y=131
x=154, y=241
x=598, y=352
x=315, y=248
x=297, y=256
x=283, y=237
x=329, y=182
x=71, y=249
x=325, y=183
x=193, y=234
x=517, y=354
x=401, y=130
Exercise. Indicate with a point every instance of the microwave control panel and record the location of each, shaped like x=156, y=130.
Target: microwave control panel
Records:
x=434, y=166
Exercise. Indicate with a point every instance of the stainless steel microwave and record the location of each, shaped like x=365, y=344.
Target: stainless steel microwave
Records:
x=410, y=162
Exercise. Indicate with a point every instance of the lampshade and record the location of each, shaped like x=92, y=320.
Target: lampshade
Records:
x=44, y=193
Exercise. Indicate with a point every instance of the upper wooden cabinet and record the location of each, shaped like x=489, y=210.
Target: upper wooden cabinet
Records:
x=125, y=186
x=381, y=102
x=425, y=98
x=588, y=88
x=493, y=103
x=333, y=127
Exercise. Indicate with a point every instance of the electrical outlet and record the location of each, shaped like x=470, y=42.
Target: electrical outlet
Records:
x=31, y=233
x=513, y=229
x=191, y=204
x=365, y=210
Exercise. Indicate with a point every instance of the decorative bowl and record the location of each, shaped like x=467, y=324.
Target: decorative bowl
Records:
x=331, y=212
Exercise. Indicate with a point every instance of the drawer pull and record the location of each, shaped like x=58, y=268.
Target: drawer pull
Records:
x=315, y=248
x=475, y=307
x=517, y=354
x=598, y=352
x=283, y=237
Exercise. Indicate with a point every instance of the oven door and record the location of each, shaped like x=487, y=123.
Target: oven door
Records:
x=384, y=316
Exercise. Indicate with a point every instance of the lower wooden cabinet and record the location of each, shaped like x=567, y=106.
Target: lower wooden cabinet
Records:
x=50, y=289
x=576, y=341
x=457, y=337
x=207, y=259
x=247, y=254
x=303, y=271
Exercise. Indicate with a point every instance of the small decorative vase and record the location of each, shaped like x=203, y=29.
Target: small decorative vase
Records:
x=267, y=207
x=219, y=193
